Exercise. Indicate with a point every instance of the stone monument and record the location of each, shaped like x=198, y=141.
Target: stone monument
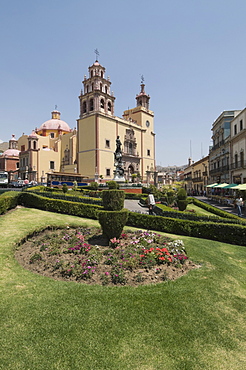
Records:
x=119, y=171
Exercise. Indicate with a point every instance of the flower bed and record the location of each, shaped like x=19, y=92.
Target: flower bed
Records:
x=83, y=255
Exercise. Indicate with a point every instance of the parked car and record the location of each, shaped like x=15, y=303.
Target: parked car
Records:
x=17, y=184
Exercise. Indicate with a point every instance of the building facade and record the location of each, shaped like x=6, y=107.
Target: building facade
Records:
x=219, y=153
x=9, y=160
x=98, y=129
x=196, y=176
x=238, y=149
x=50, y=148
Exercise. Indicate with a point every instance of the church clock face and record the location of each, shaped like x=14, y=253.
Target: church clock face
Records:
x=147, y=123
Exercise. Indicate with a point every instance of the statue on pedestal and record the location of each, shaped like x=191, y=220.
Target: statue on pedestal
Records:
x=119, y=171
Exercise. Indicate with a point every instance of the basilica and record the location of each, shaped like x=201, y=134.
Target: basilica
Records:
x=88, y=150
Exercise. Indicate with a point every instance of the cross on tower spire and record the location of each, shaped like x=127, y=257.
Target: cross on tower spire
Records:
x=97, y=54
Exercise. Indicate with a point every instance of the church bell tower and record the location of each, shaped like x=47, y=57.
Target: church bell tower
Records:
x=97, y=97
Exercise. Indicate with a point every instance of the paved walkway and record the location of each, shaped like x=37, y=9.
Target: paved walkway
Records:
x=223, y=207
x=133, y=206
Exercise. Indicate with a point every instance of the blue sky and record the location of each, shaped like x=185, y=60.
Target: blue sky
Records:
x=191, y=52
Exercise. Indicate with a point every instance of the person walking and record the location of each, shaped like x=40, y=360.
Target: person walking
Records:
x=239, y=204
x=151, y=203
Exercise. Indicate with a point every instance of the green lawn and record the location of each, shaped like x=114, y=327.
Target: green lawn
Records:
x=200, y=211
x=196, y=322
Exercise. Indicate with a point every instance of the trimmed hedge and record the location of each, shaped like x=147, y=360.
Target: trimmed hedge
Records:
x=113, y=222
x=70, y=197
x=135, y=196
x=193, y=217
x=227, y=233
x=56, y=205
x=8, y=200
x=212, y=209
x=224, y=232
x=113, y=199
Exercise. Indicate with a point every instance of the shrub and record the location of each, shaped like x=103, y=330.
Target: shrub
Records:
x=181, y=195
x=113, y=200
x=94, y=185
x=227, y=233
x=60, y=206
x=113, y=222
x=64, y=188
x=112, y=185
x=170, y=212
x=213, y=210
x=182, y=201
x=8, y=200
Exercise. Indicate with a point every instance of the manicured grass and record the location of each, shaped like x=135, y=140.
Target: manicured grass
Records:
x=200, y=211
x=196, y=322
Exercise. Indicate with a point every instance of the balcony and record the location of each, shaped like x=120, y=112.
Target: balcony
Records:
x=197, y=179
x=237, y=165
x=218, y=145
x=219, y=170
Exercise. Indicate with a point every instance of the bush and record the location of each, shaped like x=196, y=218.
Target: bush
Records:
x=227, y=233
x=213, y=210
x=182, y=204
x=60, y=206
x=181, y=195
x=94, y=185
x=112, y=185
x=8, y=200
x=113, y=200
x=113, y=222
x=172, y=213
x=64, y=188
x=182, y=201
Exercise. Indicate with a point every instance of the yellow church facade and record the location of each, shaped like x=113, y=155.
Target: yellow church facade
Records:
x=98, y=128
x=89, y=150
x=50, y=148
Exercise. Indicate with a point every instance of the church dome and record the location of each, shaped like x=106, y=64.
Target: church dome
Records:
x=11, y=153
x=55, y=123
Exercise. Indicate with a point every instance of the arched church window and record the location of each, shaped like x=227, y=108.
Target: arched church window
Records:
x=102, y=74
x=91, y=73
x=106, y=90
x=91, y=105
x=109, y=106
x=92, y=87
x=140, y=102
x=100, y=87
x=102, y=103
x=84, y=107
x=34, y=145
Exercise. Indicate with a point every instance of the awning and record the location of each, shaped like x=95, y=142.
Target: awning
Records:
x=240, y=187
x=230, y=186
x=212, y=185
x=220, y=185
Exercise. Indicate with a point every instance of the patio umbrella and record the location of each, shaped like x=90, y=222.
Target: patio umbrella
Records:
x=230, y=186
x=212, y=185
x=221, y=185
x=240, y=187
